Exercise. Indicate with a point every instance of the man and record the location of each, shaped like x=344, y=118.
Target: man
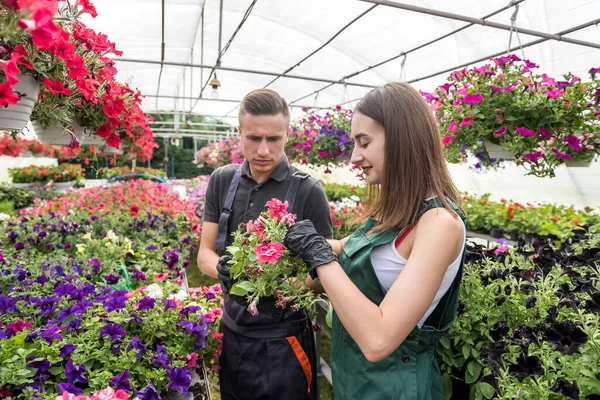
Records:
x=270, y=355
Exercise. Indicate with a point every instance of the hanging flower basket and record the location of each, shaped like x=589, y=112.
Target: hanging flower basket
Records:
x=111, y=151
x=538, y=121
x=578, y=163
x=15, y=116
x=55, y=135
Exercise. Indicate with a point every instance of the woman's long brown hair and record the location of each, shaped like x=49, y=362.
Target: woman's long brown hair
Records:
x=415, y=166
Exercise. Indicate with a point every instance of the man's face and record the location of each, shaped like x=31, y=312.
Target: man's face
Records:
x=263, y=140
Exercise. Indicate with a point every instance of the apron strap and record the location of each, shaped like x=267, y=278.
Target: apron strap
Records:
x=292, y=191
x=227, y=208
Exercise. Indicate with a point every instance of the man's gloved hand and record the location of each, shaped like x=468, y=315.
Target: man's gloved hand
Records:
x=303, y=239
x=223, y=272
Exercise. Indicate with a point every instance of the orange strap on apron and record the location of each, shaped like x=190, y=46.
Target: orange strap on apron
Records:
x=302, y=358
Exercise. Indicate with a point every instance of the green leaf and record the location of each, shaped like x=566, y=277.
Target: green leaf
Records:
x=233, y=250
x=487, y=390
x=56, y=370
x=447, y=381
x=466, y=350
x=242, y=288
x=473, y=372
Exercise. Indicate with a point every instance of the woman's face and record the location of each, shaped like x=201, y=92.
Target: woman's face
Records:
x=369, y=142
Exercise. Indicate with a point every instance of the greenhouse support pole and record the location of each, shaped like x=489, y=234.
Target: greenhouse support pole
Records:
x=480, y=21
x=172, y=166
x=166, y=159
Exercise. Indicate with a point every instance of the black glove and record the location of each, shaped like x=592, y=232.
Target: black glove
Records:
x=303, y=239
x=223, y=272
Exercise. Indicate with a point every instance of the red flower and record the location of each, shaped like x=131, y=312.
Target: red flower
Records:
x=268, y=252
x=76, y=67
x=43, y=29
x=134, y=209
x=56, y=87
x=20, y=50
x=10, y=68
x=7, y=96
x=87, y=7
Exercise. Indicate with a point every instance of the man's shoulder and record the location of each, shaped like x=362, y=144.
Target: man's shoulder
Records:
x=309, y=181
x=224, y=173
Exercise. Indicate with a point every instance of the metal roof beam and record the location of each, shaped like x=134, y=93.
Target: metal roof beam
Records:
x=245, y=71
x=482, y=22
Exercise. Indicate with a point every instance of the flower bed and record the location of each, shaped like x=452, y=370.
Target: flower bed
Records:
x=528, y=324
x=92, y=299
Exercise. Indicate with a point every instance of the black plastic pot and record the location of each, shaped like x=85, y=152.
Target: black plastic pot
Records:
x=514, y=235
x=496, y=233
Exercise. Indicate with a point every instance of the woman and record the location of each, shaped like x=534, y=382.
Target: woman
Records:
x=395, y=288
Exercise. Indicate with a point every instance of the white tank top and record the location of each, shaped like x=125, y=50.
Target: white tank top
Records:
x=388, y=264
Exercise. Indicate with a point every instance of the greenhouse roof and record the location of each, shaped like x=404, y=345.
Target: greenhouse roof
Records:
x=320, y=53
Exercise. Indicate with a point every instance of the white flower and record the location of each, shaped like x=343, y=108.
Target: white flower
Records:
x=179, y=296
x=110, y=235
x=4, y=216
x=154, y=291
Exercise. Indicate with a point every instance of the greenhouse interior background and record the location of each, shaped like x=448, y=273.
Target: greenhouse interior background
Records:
x=178, y=70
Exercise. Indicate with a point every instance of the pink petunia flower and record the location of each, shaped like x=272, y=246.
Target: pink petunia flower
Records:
x=466, y=121
x=500, y=132
x=573, y=142
x=277, y=209
x=452, y=127
x=268, y=252
x=473, y=99
x=446, y=140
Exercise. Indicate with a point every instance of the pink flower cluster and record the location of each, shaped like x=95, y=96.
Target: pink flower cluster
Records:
x=106, y=394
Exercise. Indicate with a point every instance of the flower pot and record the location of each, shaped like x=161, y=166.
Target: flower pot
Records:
x=496, y=233
x=26, y=153
x=110, y=151
x=497, y=151
x=514, y=235
x=15, y=116
x=63, y=186
x=54, y=135
x=578, y=163
x=21, y=185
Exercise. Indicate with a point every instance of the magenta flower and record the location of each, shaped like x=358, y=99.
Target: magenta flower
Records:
x=268, y=252
x=533, y=157
x=446, y=87
x=446, y=140
x=500, y=132
x=252, y=309
x=593, y=72
x=554, y=93
x=573, y=142
x=561, y=156
x=509, y=88
x=466, y=121
x=473, y=99
x=452, y=127
x=529, y=64
x=524, y=131
x=544, y=132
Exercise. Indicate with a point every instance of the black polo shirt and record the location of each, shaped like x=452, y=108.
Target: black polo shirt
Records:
x=251, y=197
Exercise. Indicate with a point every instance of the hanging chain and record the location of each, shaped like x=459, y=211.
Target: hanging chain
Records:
x=513, y=28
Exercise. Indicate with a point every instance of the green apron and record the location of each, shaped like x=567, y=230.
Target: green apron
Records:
x=411, y=372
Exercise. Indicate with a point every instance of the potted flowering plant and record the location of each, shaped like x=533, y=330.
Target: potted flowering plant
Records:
x=39, y=46
x=222, y=152
x=64, y=173
x=263, y=267
x=536, y=120
x=322, y=140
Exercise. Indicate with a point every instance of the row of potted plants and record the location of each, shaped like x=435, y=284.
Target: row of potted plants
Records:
x=41, y=174
x=107, y=173
x=92, y=299
x=505, y=110
x=46, y=47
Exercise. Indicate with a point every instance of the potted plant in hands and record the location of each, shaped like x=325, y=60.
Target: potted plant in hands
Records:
x=538, y=121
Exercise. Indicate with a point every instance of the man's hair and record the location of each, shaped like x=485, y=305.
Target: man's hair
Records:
x=263, y=102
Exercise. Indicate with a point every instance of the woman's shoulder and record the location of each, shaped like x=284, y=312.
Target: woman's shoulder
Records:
x=442, y=220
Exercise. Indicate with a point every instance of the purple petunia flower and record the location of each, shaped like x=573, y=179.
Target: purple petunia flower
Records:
x=151, y=247
x=121, y=381
x=50, y=332
x=573, y=142
x=171, y=258
x=19, y=246
x=66, y=350
x=135, y=317
x=179, y=379
x=169, y=304
x=139, y=275
x=112, y=279
x=160, y=359
x=96, y=265
x=67, y=387
x=147, y=303
x=75, y=373
x=113, y=331
x=148, y=393
x=7, y=304
x=115, y=303
x=136, y=344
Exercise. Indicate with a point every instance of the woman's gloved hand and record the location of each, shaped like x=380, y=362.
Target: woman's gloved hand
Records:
x=223, y=268
x=303, y=239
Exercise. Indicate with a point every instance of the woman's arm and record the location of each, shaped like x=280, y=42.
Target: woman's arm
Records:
x=379, y=330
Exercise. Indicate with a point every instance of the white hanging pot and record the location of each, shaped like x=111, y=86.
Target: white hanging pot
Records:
x=55, y=135
x=15, y=116
x=497, y=151
x=91, y=139
x=578, y=163
x=111, y=151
